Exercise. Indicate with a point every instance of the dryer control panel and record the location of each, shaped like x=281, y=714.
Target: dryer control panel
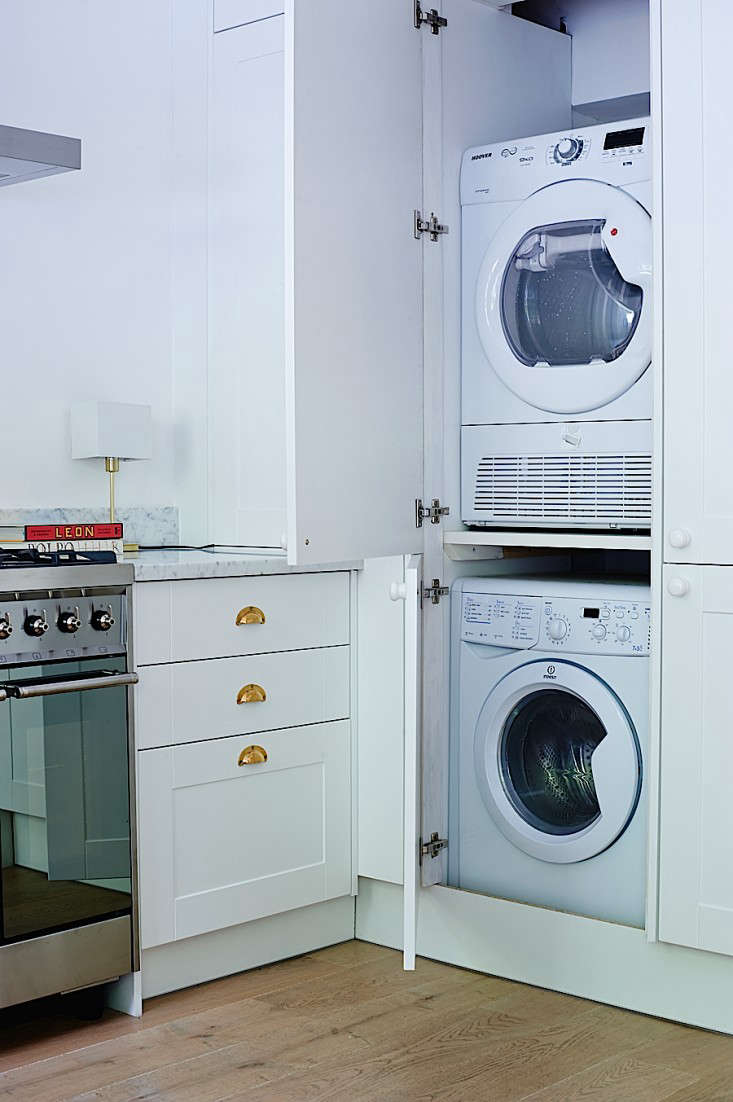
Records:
x=572, y=625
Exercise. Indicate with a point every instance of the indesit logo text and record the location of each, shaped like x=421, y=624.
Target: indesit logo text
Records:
x=550, y=675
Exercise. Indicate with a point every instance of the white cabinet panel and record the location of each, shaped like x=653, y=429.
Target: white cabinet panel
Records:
x=222, y=844
x=696, y=818
x=233, y=13
x=380, y=697
x=698, y=384
x=246, y=274
x=353, y=279
x=191, y=701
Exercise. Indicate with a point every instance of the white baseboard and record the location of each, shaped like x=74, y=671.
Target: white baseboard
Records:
x=210, y=956
x=580, y=956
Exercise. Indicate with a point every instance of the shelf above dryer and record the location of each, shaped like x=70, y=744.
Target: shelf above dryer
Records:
x=488, y=544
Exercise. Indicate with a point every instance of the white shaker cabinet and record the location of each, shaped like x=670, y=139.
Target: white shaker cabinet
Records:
x=244, y=749
x=696, y=814
x=698, y=382
x=226, y=840
x=315, y=292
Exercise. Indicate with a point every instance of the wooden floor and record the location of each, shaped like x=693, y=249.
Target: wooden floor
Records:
x=348, y=1023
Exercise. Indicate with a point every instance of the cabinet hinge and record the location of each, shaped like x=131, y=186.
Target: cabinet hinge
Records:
x=429, y=18
x=430, y=226
x=432, y=512
x=435, y=591
x=433, y=847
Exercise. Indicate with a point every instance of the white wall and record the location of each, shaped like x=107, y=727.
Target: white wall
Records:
x=610, y=48
x=89, y=258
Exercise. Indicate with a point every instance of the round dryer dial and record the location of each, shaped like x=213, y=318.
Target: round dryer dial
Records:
x=568, y=150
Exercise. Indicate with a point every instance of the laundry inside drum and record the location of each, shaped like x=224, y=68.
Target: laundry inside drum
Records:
x=547, y=748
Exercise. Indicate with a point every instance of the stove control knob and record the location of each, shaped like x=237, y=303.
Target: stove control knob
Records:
x=35, y=624
x=557, y=629
x=599, y=631
x=623, y=634
x=68, y=622
x=6, y=628
x=102, y=620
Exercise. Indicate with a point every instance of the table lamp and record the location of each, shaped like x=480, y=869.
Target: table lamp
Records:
x=111, y=431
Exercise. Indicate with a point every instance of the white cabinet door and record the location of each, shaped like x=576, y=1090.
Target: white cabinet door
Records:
x=698, y=383
x=696, y=817
x=353, y=278
x=222, y=844
x=246, y=274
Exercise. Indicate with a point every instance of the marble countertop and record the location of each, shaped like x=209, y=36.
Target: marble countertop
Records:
x=161, y=566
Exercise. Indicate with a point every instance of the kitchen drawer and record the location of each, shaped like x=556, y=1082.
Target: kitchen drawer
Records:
x=222, y=843
x=181, y=621
x=193, y=701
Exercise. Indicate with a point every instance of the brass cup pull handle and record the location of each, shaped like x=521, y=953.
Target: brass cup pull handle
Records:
x=252, y=755
x=250, y=615
x=251, y=694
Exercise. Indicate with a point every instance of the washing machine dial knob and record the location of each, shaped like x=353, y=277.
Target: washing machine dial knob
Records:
x=623, y=633
x=568, y=150
x=599, y=631
x=557, y=629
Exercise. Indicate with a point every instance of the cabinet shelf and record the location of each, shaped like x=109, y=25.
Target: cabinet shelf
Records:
x=472, y=544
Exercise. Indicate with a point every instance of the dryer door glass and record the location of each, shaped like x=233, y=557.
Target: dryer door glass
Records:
x=546, y=753
x=564, y=301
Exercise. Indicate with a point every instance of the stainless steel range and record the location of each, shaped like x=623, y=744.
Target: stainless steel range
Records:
x=68, y=910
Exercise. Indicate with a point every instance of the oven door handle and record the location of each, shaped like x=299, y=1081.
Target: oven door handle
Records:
x=25, y=690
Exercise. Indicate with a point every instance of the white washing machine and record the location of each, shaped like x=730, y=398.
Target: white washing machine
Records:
x=549, y=731
x=557, y=330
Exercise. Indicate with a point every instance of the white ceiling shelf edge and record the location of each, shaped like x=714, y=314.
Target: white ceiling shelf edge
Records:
x=466, y=544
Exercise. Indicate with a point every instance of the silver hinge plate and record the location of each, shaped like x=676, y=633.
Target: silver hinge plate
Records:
x=431, y=226
x=433, y=847
x=432, y=512
x=435, y=591
x=430, y=18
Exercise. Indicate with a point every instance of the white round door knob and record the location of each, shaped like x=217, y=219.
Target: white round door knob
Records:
x=680, y=538
x=398, y=591
x=678, y=587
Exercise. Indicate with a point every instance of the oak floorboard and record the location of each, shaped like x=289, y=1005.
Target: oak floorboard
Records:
x=616, y=1080
x=347, y=1024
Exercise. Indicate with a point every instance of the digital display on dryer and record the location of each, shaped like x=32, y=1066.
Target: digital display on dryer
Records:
x=622, y=139
x=591, y=613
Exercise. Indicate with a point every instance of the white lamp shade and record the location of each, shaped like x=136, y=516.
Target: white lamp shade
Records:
x=118, y=429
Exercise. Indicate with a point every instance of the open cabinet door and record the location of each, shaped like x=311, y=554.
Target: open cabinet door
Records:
x=411, y=802
x=352, y=279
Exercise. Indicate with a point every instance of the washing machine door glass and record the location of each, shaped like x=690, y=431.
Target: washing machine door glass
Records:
x=563, y=299
x=547, y=748
x=557, y=761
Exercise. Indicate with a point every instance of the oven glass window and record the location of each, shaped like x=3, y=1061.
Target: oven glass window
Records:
x=64, y=803
x=564, y=301
x=547, y=749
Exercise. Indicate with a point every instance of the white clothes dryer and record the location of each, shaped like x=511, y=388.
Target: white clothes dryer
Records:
x=549, y=731
x=557, y=330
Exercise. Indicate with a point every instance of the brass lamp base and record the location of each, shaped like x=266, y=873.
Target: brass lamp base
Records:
x=112, y=466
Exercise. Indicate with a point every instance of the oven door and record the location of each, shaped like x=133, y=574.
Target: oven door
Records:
x=64, y=796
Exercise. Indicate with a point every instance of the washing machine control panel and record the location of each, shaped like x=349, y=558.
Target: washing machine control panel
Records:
x=589, y=627
x=556, y=623
x=501, y=620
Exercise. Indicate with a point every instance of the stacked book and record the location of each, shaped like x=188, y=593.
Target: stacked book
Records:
x=79, y=536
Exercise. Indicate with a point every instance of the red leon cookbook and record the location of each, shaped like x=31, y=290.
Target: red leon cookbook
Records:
x=73, y=532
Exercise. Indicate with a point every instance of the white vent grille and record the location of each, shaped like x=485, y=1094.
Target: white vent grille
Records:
x=584, y=489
